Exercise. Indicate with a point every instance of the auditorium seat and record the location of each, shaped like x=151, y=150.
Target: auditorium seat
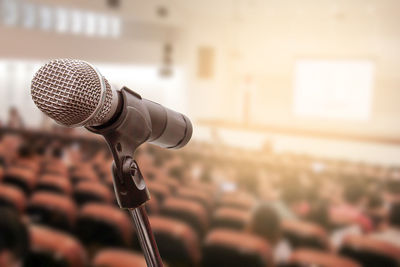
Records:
x=55, y=167
x=305, y=234
x=234, y=249
x=6, y=156
x=89, y=191
x=22, y=178
x=52, y=209
x=83, y=174
x=152, y=206
x=32, y=164
x=53, y=248
x=197, y=195
x=1, y=172
x=208, y=188
x=231, y=218
x=178, y=243
x=158, y=190
x=170, y=182
x=103, y=225
x=187, y=211
x=315, y=258
x=118, y=258
x=370, y=252
x=237, y=200
x=13, y=197
x=54, y=183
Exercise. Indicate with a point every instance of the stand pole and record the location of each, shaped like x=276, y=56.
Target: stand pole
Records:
x=146, y=237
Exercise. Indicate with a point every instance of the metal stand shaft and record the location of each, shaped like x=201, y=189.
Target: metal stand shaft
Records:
x=146, y=237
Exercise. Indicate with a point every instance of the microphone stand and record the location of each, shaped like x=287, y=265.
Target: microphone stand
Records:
x=123, y=136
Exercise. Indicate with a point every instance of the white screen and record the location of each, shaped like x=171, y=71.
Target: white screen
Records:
x=337, y=89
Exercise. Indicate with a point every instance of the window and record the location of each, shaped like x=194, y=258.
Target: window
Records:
x=45, y=14
x=29, y=16
x=9, y=12
x=103, y=24
x=62, y=22
x=77, y=21
x=115, y=26
x=90, y=23
x=338, y=89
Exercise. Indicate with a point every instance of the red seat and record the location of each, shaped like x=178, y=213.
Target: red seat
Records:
x=84, y=174
x=238, y=200
x=88, y=191
x=54, y=183
x=230, y=248
x=11, y=196
x=32, y=164
x=197, y=195
x=188, y=211
x=152, y=206
x=55, y=167
x=208, y=188
x=22, y=178
x=305, y=234
x=171, y=183
x=118, y=258
x=232, y=218
x=104, y=225
x=313, y=258
x=56, y=249
x=52, y=209
x=177, y=241
x=370, y=252
x=158, y=190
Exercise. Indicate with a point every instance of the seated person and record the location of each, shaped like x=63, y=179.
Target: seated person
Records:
x=14, y=240
x=392, y=233
x=266, y=223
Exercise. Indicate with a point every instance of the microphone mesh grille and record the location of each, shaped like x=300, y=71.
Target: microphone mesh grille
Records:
x=69, y=92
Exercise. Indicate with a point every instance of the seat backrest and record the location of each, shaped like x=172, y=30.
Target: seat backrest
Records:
x=31, y=164
x=237, y=200
x=316, y=258
x=370, y=252
x=100, y=225
x=83, y=174
x=152, y=206
x=158, y=190
x=13, y=197
x=305, y=234
x=188, y=211
x=52, y=248
x=232, y=218
x=235, y=249
x=55, y=167
x=89, y=191
x=197, y=195
x=118, y=258
x=54, y=183
x=52, y=209
x=178, y=242
x=22, y=178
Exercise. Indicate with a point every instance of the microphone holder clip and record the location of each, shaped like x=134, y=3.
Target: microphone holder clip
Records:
x=130, y=128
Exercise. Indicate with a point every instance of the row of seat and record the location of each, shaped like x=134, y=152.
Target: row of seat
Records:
x=189, y=222
x=221, y=248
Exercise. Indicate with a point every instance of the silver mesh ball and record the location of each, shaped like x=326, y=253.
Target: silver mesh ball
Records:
x=69, y=91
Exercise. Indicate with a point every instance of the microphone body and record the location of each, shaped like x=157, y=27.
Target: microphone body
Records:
x=157, y=124
x=74, y=93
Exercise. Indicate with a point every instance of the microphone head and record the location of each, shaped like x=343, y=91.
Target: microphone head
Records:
x=72, y=92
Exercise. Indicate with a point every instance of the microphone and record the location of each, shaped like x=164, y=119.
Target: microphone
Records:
x=74, y=93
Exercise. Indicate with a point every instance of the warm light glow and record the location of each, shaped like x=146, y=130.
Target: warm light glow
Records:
x=333, y=89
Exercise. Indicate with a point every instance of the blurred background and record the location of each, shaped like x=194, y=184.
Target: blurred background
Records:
x=295, y=154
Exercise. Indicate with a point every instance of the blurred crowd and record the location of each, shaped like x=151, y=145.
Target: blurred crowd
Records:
x=211, y=205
